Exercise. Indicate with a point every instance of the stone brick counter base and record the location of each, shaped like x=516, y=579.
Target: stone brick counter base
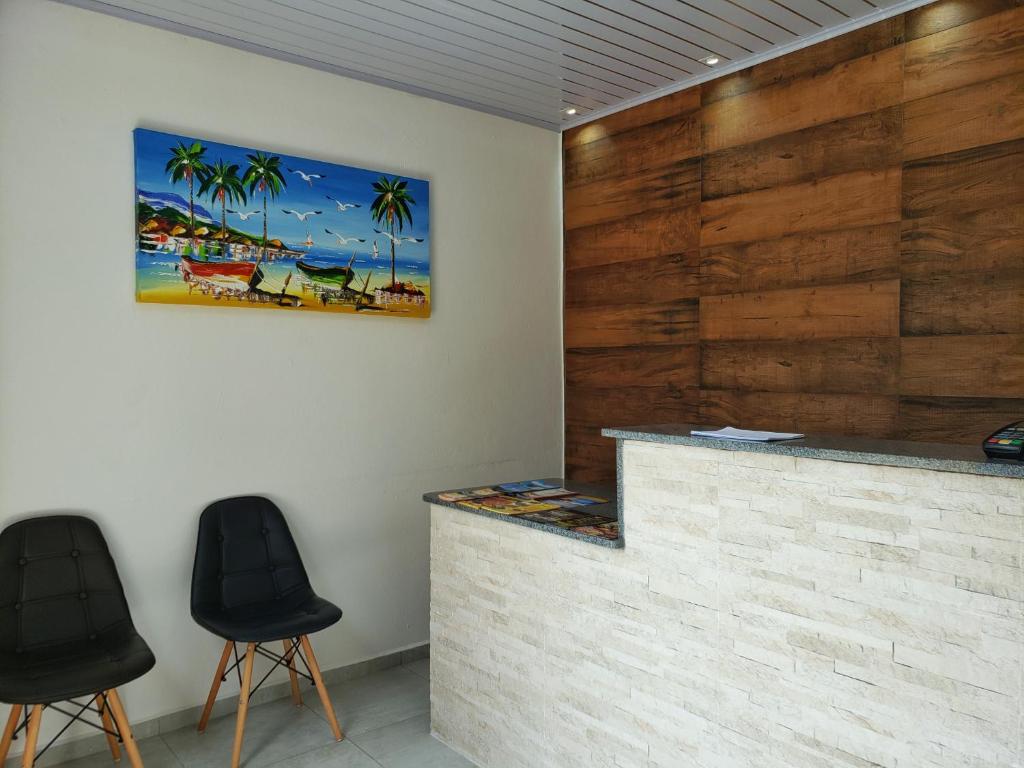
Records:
x=766, y=612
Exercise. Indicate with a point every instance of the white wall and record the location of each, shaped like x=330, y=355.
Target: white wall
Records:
x=140, y=414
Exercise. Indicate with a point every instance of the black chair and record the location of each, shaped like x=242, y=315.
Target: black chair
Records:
x=65, y=632
x=249, y=586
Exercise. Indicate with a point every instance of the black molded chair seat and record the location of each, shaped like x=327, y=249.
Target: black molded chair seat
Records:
x=265, y=621
x=65, y=632
x=67, y=672
x=249, y=586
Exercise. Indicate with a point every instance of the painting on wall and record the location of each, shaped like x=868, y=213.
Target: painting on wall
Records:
x=231, y=226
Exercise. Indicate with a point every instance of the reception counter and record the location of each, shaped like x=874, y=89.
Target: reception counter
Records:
x=829, y=602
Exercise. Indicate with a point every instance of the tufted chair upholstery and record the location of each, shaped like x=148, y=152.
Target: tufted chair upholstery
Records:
x=65, y=628
x=248, y=582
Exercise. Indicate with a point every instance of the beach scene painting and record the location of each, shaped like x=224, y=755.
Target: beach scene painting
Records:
x=220, y=225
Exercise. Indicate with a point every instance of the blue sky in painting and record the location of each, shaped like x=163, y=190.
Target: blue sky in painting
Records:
x=344, y=183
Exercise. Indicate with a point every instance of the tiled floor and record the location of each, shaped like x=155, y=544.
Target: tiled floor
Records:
x=385, y=717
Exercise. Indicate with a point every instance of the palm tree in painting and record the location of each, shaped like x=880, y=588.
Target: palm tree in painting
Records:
x=224, y=186
x=391, y=209
x=186, y=164
x=264, y=175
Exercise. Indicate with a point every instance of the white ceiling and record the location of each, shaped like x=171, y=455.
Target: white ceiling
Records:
x=529, y=60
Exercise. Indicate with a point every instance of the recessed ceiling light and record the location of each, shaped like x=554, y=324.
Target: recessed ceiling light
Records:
x=710, y=60
x=571, y=111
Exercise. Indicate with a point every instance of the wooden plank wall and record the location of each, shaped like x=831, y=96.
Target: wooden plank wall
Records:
x=832, y=241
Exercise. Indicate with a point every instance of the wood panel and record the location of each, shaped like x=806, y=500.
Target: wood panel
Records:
x=667, y=186
x=963, y=366
x=632, y=152
x=834, y=366
x=938, y=17
x=659, y=279
x=852, y=222
x=977, y=241
x=973, y=116
x=981, y=50
x=974, y=303
x=623, y=325
x=971, y=180
x=661, y=232
x=814, y=258
x=850, y=200
x=955, y=419
x=798, y=314
x=861, y=143
x=806, y=62
x=870, y=415
x=671, y=106
x=852, y=88
x=677, y=365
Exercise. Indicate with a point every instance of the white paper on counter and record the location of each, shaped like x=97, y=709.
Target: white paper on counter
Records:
x=731, y=433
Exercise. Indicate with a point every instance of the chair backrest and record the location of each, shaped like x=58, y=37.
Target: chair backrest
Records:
x=245, y=554
x=58, y=585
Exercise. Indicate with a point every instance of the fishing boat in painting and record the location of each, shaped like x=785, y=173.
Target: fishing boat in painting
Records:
x=333, y=276
x=230, y=275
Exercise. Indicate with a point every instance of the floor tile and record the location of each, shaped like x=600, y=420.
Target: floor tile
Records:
x=273, y=732
x=408, y=744
x=420, y=667
x=376, y=700
x=344, y=754
x=155, y=754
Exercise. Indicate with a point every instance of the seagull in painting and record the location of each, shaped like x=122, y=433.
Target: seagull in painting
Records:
x=244, y=216
x=303, y=215
x=342, y=207
x=307, y=177
x=399, y=240
x=344, y=240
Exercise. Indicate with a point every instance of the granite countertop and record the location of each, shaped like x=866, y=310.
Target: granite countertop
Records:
x=609, y=510
x=943, y=457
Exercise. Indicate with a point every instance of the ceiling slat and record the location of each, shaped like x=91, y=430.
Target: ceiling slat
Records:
x=422, y=78
x=526, y=59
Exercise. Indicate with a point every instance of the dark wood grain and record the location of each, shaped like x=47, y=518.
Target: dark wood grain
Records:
x=983, y=113
x=865, y=366
x=981, y=50
x=671, y=106
x=811, y=258
x=610, y=368
x=955, y=419
x=631, y=152
x=961, y=182
x=659, y=279
x=863, y=198
x=870, y=415
x=669, y=186
x=971, y=303
x=938, y=17
x=860, y=143
x=963, y=366
x=623, y=325
x=807, y=62
x=989, y=240
x=797, y=314
x=649, y=234
x=863, y=85
x=852, y=220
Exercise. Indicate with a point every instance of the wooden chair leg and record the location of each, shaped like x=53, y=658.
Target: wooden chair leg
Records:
x=124, y=728
x=314, y=670
x=218, y=676
x=32, y=736
x=108, y=726
x=296, y=694
x=12, y=726
x=243, y=704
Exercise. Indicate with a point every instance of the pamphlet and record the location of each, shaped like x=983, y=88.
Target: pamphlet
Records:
x=750, y=436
